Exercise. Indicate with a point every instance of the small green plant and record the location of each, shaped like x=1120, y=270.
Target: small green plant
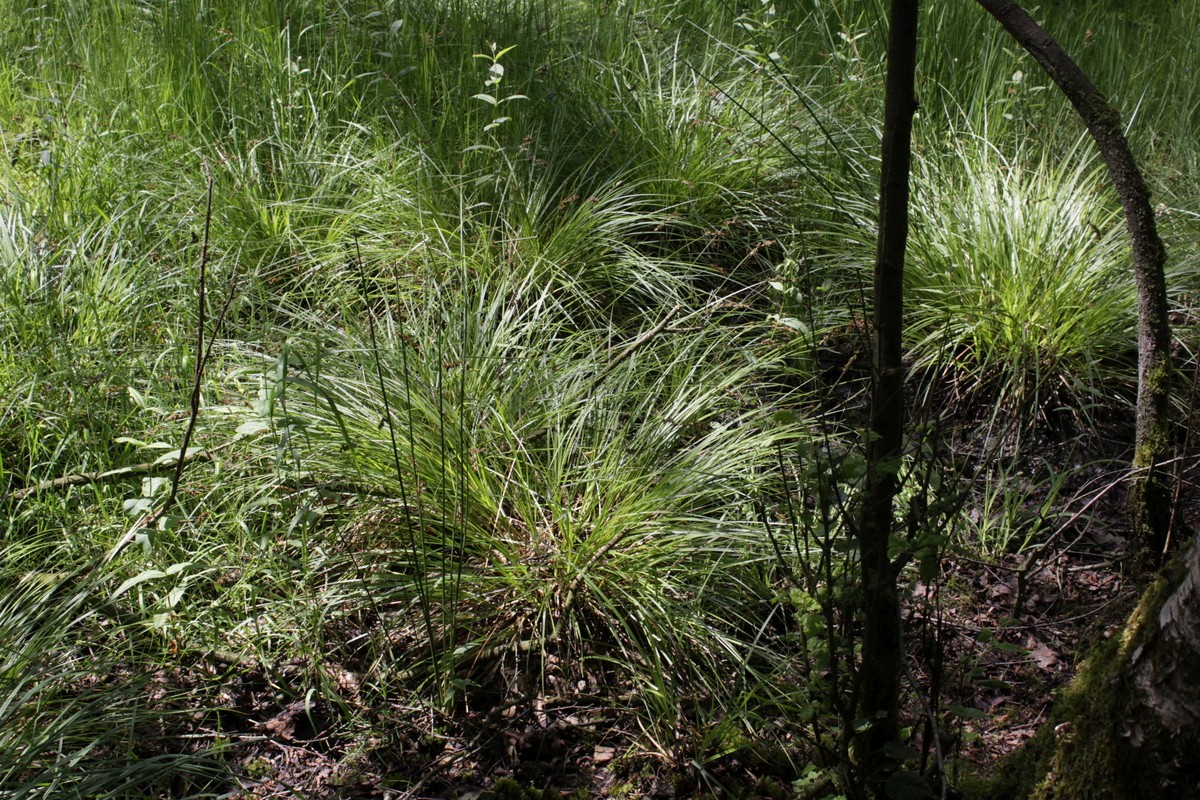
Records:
x=491, y=94
x=1010, y=509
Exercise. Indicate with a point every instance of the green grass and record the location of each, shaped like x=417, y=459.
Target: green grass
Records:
x=530, y=310
x=1019, y=279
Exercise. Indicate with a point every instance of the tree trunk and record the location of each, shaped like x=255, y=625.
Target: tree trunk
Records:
x=1126, y=728
x=1150, y=499
x=879, y=674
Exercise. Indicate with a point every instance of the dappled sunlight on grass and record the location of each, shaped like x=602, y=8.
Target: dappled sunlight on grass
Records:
x=531, y=379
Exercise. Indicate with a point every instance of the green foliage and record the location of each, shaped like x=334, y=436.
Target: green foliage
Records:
x=591, y=498
x=1009, y=510
x=608, y=257
x=74, y=719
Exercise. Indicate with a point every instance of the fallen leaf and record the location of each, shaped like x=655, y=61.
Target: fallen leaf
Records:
x=283, y=724
x=603, y=754
x=1044, y=657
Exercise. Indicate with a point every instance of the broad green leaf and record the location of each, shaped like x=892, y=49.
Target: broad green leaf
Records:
x=140, y=578
x=966, y=712
x=252, y=426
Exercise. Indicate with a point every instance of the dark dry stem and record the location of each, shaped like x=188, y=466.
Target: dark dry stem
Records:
x=201, y=353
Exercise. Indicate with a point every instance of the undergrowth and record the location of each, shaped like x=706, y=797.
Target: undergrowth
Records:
x=536, y=378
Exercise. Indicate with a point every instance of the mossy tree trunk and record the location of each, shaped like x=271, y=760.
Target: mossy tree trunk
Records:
x=1127, y=726
x=878, y=679
x=1150, y=498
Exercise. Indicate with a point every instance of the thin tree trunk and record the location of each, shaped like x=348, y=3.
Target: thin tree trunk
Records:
x=882, y=653
x=1150, y=498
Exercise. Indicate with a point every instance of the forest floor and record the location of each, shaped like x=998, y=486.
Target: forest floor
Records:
x=999, y=668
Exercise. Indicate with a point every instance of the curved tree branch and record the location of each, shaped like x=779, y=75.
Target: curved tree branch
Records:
x=1150, y=500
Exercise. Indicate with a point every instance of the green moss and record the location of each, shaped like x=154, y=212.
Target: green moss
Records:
x=1082, y=751
x=259, y=768
x=508, y=789
x=1080, y=748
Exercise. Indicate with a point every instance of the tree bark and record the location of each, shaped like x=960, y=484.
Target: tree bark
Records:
x=882, y=653
x=1150, y=499
x=1126, y=727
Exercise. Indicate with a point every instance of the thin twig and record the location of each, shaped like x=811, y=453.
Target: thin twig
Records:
x=1026, y=567
x=200, y=349
x=934, y=729
x=628, y=351
x=1177, y=502
x=103, y=476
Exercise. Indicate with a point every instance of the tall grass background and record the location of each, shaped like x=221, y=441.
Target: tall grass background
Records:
x=525, y=301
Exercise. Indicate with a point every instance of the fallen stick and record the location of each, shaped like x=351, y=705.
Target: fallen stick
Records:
x=103, y=476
